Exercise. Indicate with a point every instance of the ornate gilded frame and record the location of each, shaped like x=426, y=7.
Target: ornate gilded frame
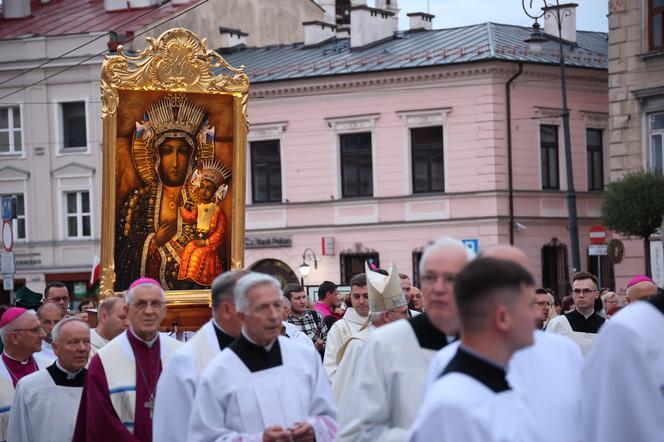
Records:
x=177, y=61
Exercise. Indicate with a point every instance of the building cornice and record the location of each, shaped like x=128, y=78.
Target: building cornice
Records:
x=409, y=77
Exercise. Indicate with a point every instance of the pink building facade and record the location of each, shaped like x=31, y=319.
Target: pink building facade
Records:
x=378, y=156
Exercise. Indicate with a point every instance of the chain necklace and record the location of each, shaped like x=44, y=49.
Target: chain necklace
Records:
x=149, y=404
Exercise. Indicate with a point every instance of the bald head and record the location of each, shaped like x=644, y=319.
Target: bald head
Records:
x=50, y=309
x=642, y=290
x=508, y=253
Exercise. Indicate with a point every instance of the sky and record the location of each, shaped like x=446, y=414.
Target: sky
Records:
x=591, y=15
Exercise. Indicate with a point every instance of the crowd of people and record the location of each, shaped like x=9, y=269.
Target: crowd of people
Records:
x=476, y=353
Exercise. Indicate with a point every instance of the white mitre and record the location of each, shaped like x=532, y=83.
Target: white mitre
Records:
x=385, y=292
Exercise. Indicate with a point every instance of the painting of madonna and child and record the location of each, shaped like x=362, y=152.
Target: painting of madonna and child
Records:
x=174, y=188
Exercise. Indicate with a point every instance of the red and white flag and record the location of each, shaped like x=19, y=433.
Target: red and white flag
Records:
x=96, y=269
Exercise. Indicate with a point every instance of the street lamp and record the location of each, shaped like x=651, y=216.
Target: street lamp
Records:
x=537, y=38
x=304, y=267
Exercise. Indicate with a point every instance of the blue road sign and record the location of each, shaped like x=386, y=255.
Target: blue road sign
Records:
x=7, y=208
x=471, y=244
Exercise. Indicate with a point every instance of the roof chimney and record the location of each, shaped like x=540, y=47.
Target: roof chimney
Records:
x=420, y=21
x=16, y=8
x=369, y=25
x=567, y=14
x=317, y=31
x=232, y=37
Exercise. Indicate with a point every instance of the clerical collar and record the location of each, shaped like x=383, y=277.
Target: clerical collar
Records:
x=150, y=343
x=265, y=347
x=479, y=368
x=584, y=315
x=256, y=357
x=223, y=338
x=428, y=336
x=582, y=324
x=69, y=374
x=16, y=360
x=63, y=378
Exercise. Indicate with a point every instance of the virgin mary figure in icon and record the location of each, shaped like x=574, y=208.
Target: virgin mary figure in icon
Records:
x=159, y=221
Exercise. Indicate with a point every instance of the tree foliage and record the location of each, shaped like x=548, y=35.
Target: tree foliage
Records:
x=634, y=206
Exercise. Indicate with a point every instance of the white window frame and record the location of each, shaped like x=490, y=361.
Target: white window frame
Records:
x=60, y=149
x=79, y=214
x=266, y=132
x=649, y=135
x=71, y=178
x=11, y=129
x=350, y=125
x=413, y=119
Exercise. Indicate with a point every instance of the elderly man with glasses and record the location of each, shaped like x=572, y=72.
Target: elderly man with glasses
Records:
x=582, y=323
x=119, y=394
x=22, y=336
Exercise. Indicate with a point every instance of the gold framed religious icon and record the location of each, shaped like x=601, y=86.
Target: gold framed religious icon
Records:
x=175, y=124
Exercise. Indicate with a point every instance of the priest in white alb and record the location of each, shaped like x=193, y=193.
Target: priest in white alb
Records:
x=178, y=382
x=581, y=324
x=472, y=400
x=387, y=303
x=392, y=366
x=21, y=335
x=118, y=397
x=111, y=321
x=46, y=402
x=624, y=391
x=354, y=319
x=263, y=387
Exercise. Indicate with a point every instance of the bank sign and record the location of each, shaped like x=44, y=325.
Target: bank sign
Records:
x=267, y=242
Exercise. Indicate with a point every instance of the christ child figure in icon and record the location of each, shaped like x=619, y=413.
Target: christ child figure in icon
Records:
x=200, y=260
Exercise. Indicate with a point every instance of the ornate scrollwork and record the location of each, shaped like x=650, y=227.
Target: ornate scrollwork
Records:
x=106, y=282
x=177, y=61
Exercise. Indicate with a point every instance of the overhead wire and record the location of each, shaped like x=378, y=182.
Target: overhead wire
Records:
x=102, y=52
x=51, y=60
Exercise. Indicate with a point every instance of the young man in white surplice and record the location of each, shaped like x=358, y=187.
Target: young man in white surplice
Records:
x=472, y=399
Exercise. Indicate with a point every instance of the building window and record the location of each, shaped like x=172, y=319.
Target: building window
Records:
x=555, y=273
x=18, y=222
x=10, y=130
x=356, y=166
x=656, y=129
x=353, y=263
x=656, y=24
x=549, y=157
x=265, y=172
x=427, y=159
x=78, y=214
x=595, y=159
x=417, y=257
x=73, y=125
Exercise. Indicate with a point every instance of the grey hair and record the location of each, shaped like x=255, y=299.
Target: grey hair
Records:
x=444, y=242
x=374, y=316
x=132, y=292
x=48, y=305
x=223, y=285
x=55, y=333
x=285, y=301
x=249, y=281
x=4, y=331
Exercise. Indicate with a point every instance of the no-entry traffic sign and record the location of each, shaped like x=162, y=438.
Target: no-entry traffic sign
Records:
x=597, y=235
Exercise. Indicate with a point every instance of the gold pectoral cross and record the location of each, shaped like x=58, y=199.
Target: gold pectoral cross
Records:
x=150, y=404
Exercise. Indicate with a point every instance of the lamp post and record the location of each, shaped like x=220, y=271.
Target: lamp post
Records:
x=536, y=40
x=304, y=267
